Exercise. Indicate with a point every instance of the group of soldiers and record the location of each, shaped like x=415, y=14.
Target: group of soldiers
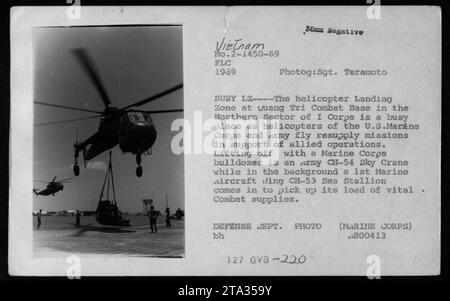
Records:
x=77, y=219
x=152, y=215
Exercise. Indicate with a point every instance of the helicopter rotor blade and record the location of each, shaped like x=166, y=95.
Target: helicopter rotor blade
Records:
x=66, y=107
x=154, y=97
x=158, y=111
x=45, y=182
x=53, y=179
x=89, y=67
x=66, y=121
x=66, y=179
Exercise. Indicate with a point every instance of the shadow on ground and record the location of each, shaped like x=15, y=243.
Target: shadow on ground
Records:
x=83, y=229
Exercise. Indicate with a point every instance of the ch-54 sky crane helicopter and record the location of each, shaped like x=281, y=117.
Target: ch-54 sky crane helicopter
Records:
x=133, y=130
x=52, y=187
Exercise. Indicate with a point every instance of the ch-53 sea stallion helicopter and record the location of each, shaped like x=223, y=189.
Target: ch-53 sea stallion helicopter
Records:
x=52, y=187
x=133, y=130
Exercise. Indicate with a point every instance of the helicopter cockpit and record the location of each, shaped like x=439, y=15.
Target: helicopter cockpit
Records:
x=139, y=117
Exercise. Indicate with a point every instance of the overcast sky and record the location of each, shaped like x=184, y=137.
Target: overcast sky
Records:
x=134, y=63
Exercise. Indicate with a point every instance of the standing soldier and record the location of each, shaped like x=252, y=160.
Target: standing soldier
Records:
x=179, y=213
x=153, y=214
x=77, y=219
x=168, y=224
x=39, y=215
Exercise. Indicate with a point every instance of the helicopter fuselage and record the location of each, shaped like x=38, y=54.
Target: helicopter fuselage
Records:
x=134, y=132
x=52, y=188
x=137, y=132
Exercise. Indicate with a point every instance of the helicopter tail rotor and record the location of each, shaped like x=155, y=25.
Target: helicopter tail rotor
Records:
x=35, y=191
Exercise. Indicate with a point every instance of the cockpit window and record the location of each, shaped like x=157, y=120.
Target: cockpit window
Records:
x=137, y=117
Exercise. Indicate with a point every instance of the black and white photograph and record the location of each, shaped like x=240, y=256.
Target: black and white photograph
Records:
x=105, y=179
x=242, y=141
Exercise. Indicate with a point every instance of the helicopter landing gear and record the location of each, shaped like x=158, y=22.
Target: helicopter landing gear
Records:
x=76, y=169
x=138, y=159
x=139, y=168
x=139, y=171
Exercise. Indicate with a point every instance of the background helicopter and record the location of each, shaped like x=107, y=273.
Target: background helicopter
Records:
x=52, y=187
x=133, y=130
